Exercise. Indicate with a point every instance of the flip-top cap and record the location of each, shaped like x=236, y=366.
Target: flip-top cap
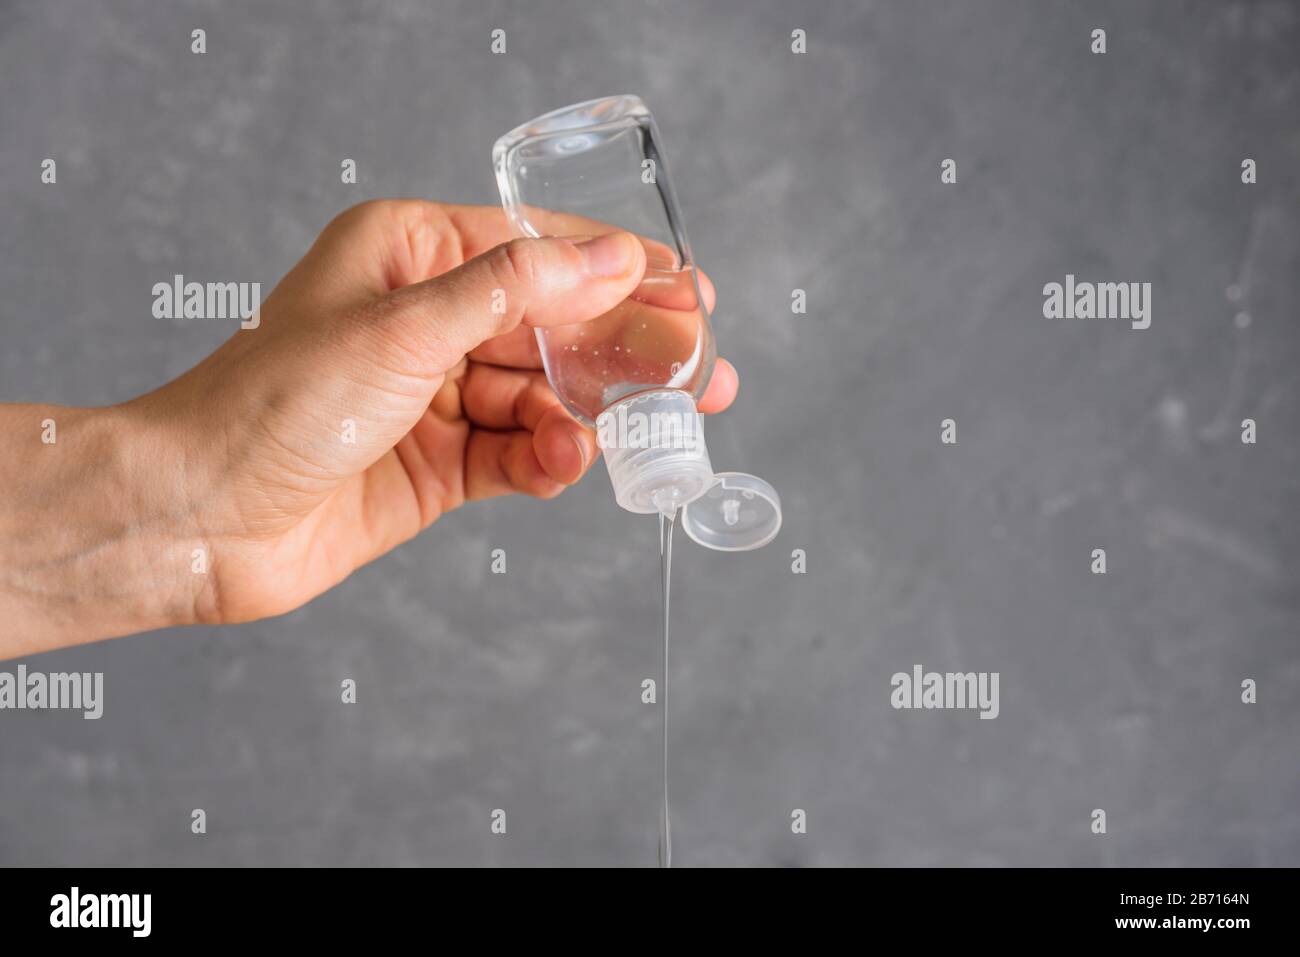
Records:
x=737, y=513
x=654, y=450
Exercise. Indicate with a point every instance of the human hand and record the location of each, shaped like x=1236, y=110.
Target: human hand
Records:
x=386, y=324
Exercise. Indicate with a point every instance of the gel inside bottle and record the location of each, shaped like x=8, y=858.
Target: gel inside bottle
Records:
x=636, y=372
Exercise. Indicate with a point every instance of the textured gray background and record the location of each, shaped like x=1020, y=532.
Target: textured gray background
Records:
x=818, y=171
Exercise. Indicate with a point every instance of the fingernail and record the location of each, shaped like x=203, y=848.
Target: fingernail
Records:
x=582, y=450
x=608, y=255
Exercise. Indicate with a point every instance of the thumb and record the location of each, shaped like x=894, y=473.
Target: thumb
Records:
x=536, y=282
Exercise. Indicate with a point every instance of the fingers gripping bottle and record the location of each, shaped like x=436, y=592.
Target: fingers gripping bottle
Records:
x=636, y=372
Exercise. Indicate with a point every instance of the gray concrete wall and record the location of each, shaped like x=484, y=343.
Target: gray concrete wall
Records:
x=818, y=171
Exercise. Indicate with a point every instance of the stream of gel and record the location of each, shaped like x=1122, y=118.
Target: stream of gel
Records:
x=666, y=521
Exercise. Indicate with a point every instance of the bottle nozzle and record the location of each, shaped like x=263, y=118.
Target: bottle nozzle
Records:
x=665, y=501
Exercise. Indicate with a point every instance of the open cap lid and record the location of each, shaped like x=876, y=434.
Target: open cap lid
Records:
x=737, y=513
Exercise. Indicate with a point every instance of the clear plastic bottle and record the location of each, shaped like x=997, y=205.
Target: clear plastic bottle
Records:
x=591, y=169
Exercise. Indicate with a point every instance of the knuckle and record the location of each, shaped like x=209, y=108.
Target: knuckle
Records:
x=520, y=262
x=369, y=209
x=410, y=212
x=355, y=219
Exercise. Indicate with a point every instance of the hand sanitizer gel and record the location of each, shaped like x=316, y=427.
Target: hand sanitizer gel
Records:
x=635, y=373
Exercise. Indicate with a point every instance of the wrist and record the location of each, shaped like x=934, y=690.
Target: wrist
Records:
x=98, y=536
